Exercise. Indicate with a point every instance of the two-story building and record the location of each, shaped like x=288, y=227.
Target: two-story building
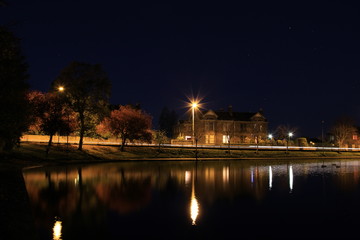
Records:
x=220, y=127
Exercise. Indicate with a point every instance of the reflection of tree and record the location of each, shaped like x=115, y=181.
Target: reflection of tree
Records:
x=128, y=196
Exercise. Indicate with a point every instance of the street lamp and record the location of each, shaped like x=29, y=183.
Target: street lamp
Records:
x=287, y=145
x=62, y=89
x=194, y=105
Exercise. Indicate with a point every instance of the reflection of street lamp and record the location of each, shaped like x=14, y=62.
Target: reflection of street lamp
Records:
x=291, y=178
x=57, y=230
x=194, y=205
x=270, y=177
x=287, y=145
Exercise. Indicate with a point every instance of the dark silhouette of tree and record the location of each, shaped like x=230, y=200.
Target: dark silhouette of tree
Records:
x=343, y=128
x=128, y=124
x=13, y=89
x=167, y=121
x=87, y=89
x=282, y=132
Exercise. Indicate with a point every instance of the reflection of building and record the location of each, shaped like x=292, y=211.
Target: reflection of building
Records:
x=220, y=127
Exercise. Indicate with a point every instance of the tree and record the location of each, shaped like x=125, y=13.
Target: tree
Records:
x=13, y=89
x=229, y=133
x=128, y=124
x=50, y=115
x=87, y=89
x=282, y=132
x=167, y=121
x=343, y=129
x=160, y=137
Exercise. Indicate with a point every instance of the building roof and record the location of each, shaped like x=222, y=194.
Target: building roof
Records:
x=233, y=116
x=230, y=115
x=237, y=116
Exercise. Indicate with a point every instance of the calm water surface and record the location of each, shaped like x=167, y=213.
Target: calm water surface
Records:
x=203, y=200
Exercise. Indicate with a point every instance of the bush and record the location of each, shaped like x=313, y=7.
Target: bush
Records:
x=302, y=142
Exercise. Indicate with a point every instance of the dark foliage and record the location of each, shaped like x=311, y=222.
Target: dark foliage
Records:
x=167, y=121
x=87, y=89
x=13, y=89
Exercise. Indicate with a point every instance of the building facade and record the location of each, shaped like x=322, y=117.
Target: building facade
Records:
x=223, y=127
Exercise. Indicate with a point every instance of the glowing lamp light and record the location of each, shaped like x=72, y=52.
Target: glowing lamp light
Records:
x=270, y=136
x=61, y=88
x=290, y=134
x=194, y=105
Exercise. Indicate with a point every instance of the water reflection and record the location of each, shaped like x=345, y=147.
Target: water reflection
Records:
x=270, y=177
x=291, y=178
x=194, y=205
x=96, y=195
x=57, y=230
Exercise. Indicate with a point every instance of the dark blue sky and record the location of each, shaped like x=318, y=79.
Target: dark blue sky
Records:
x=299, y=62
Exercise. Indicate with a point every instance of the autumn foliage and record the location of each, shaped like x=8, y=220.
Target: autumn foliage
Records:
x=50, y=114
x=127, y=123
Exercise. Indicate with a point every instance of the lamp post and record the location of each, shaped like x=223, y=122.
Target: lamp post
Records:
x=194, y=105
x=62, y=89
x=287, y=145
x=322, y=132
x=270, y=137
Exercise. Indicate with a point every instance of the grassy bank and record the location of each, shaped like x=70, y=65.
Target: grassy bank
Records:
x=34, y=153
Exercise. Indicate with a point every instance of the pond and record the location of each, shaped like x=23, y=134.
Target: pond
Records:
x=197, y=200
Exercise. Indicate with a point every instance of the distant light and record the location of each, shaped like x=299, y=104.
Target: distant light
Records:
x=270, y=136
x=61, y=88
x=290, y=134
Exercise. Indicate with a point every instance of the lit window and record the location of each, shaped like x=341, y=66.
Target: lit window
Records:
x=226, y=138
x=210, y=139
x=355, y=137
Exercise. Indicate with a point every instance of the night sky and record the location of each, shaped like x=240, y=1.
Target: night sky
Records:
x=299, y=62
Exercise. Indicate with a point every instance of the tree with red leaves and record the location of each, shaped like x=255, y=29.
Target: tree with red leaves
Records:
x=50, y=115
x=128, y=124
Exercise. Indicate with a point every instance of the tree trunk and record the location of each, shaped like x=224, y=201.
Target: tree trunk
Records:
x=123, y=139
x=82, y=130
x=49, y=144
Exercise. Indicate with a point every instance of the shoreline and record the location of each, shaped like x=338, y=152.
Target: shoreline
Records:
x=30, y=155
